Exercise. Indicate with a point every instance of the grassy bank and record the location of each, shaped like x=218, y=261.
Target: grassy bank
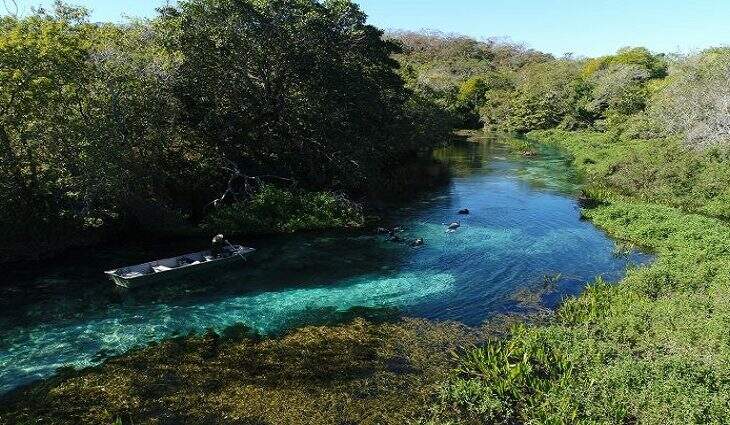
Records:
x=657, y=171
x=653, y=348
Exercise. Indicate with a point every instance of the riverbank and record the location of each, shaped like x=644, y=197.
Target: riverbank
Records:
x=651, y=349
x=270, y=210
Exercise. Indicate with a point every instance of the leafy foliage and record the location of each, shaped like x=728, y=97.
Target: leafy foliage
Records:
x=43, y=82
x=694, y=99
x=272, y=209
x=512, y=89
x=544, y=95
x=655, y=65
x=296, y=89
x=457, y=72
x=618, y=92
x=661, y=171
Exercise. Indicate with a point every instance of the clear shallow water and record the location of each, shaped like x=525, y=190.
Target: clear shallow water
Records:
x=524, y=225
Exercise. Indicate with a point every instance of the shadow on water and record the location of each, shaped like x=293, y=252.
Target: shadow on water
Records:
x=524, y=224
x=75, y=288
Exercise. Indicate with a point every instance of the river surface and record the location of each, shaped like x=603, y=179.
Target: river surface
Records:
x=524, y=230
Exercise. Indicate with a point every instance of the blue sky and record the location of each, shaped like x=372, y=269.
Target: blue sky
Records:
x=585, y=27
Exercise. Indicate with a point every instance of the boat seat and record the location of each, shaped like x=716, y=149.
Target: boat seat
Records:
x=158, y=269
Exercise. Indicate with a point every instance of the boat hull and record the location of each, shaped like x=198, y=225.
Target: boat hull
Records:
x=176, y=272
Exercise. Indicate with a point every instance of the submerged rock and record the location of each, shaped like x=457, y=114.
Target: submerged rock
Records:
x=464, y=211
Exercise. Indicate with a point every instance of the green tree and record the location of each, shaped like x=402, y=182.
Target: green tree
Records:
x=144, y=162
x=546, y=93
x=656, y=65
x=293, y=88
x=43, y=81
x=618, y=92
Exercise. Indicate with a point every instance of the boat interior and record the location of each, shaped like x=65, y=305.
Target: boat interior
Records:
x=166, y=264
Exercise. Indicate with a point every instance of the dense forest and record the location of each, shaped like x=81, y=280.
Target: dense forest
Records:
x=508, y=88
x=283, y=115
x=242, y=116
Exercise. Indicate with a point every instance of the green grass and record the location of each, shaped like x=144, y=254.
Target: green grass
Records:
x=652, y=349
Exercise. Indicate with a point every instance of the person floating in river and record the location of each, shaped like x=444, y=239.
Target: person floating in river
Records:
x=216, y=249
x=451, y=227
x=417, y=242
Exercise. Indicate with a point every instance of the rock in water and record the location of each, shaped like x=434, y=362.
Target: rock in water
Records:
x=464, y=211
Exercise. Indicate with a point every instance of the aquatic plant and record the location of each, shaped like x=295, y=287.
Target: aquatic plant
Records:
x=361, y=372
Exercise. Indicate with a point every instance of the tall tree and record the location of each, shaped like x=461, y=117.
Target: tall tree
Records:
x=295, y=88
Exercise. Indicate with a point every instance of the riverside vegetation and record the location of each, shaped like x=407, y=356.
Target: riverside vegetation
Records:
x=649, y=133
x=651, y=349
x=154, y=126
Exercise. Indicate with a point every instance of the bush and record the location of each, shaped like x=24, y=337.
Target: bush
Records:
x=275, y=210
x=693, y=100
x=659, y=170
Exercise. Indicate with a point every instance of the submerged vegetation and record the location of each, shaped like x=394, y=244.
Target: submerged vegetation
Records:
x=362, y=372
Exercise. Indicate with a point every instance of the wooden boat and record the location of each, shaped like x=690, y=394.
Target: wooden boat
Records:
x=168, y=268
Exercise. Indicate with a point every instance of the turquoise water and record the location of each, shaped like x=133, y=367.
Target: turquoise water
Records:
x=524, y=225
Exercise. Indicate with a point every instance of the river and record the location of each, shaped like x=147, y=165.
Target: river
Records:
x=524, y=229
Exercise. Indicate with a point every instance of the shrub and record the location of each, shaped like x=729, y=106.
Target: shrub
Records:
x=275, y=210
x=693, y=101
